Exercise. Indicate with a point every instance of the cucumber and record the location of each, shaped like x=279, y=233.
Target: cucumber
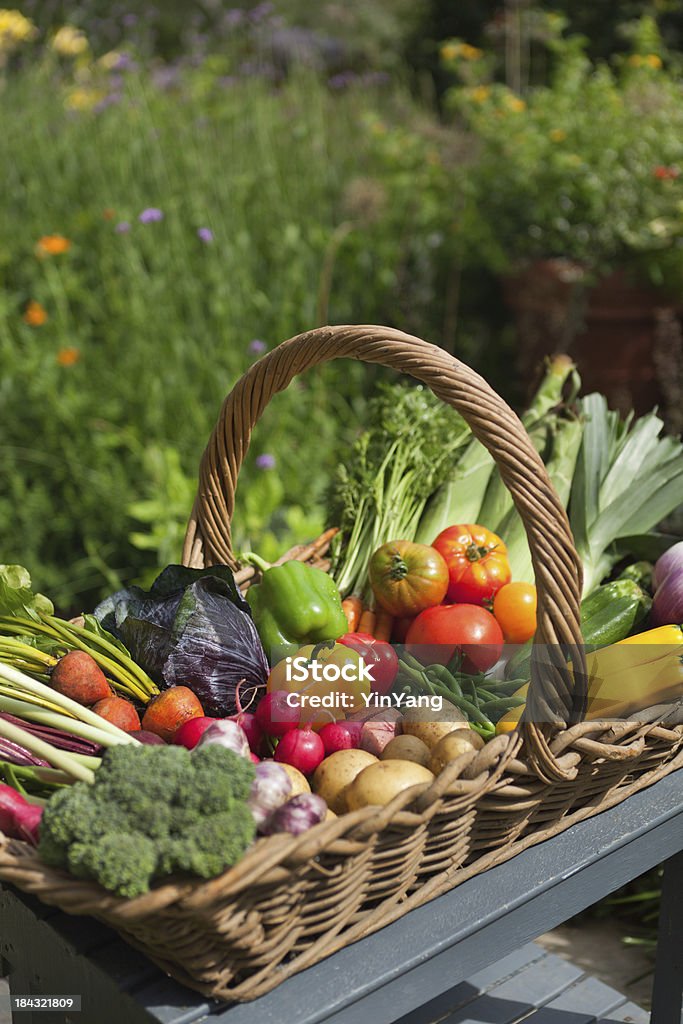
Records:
x=609, y=614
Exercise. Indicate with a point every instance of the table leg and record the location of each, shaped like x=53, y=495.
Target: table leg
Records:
x=667, y=992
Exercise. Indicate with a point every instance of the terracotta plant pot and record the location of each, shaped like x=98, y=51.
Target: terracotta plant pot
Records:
x=625, y=338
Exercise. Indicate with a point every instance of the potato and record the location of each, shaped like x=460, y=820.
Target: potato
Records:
x=379, y=783
x=333, y=775
x=406, y=748
x=452, y=746
x=431, y=726
x=298, y=780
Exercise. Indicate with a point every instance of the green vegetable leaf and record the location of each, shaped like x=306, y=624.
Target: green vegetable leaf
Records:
x=16, y=596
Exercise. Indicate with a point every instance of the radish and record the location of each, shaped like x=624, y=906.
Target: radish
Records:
x=191, y=731
x=275, y=715
x=248, y=722
x=301, y=748
x=18, y=818
x=340, y=736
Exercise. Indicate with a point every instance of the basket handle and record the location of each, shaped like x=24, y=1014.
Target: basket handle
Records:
x=556, y=564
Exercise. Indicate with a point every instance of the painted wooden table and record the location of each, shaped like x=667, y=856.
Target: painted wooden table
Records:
x=463, y=958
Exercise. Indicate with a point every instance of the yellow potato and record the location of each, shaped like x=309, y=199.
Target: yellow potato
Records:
x=431, y=726
x=452, y=746
x=333, y=775
x=406, y=748
x=379, y=783
x=298, y=780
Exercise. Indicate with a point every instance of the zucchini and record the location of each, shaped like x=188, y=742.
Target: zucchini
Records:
x=611, y=613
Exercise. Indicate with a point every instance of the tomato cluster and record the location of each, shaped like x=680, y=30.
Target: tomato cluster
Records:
x=455, y=595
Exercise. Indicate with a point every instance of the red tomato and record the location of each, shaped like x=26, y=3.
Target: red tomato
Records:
x=477, y=563
x=378, y=655
x=407, y=577
x=514, y=607
x=437, y=633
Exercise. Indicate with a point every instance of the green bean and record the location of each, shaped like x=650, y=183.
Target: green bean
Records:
x=442, y=675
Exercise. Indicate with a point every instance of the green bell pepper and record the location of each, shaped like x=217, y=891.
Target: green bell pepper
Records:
x=293, y=605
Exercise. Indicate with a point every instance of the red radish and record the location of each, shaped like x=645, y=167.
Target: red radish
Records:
x=248, y=722
x=119, y=712
x=275, y=716
x=301, y=748
x=254, y=757
x=191, y=731
x=78, y=676
x=340, y=736
x=167, y=712
x=18, y=818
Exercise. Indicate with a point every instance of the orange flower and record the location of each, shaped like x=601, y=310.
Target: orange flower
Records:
x=52, y=245
x=68, y=356
x=35, y=314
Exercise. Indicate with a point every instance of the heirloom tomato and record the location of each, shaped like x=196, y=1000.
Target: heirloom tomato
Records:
x=406, y=578
x=477, y=561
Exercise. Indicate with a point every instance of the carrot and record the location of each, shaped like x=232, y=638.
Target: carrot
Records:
x=366, y=623
x=383, y=625
x=353, y=608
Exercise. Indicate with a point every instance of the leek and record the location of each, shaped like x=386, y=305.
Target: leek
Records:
x=628, y=479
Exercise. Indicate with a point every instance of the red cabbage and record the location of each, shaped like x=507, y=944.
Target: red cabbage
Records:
x=192, y=628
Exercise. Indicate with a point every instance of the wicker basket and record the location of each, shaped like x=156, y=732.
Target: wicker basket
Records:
x=293, y=900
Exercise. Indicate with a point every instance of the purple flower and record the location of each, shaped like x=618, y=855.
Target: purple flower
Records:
x=265, y=461
x=150, y=215
x=122, y=228
x=342, y=80
x=257, y=347
x=205, y=235
x=107, y=101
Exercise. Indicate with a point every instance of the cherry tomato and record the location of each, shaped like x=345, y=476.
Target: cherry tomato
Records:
x=514, y=607
x=406, y=578
x=437, y=633
x=378, y=655
x=477, y=563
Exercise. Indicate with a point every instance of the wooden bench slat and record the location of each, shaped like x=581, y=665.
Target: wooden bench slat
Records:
x=581, y=1003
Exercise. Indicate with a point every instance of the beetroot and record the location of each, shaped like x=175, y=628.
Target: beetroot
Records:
x=78, y=676
x=167, y=712
x=18, y=818
x=149, y=738
x=118, y=711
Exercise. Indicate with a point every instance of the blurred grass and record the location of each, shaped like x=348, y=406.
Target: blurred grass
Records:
x=103, y=452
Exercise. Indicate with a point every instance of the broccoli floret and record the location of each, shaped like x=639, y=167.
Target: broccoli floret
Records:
x=151, y=811
x=221, y=776
x=124, y=862
x=214, y=844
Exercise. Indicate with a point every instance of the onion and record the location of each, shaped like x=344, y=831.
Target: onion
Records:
x=667, y=578
x=269, y=790
x=297, y=815
x=226, y=733
x=671, y=559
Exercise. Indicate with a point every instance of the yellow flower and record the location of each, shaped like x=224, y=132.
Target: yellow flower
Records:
x=68, y=356
x=35, y=315
x=15, y=29
x=83, y=98
x=558, y=135
x=653, y=60
x=69, y=41
x=110, y=60
x=52, y=245
x=480, y=93
x=470, y=52
x=514, y=103
x=450, y=51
